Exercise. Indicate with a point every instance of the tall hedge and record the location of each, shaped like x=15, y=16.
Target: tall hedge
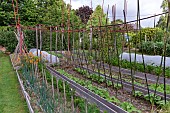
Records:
x=154, y=48
x=7, y=38
x=147, y=34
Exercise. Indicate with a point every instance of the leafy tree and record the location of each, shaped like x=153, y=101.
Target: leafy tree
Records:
x=57, y=14
x=28, y=13
x=97, y=18
x=6, y=13
x=163, y=19
x=42, y=9
x=164, y=5
x=162, y=22
x=32, y=12
x=147, y=34
x=84, y=13
x=54, y=12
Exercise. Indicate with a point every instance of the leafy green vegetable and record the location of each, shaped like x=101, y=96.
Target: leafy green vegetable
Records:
x=102, y=92
x=138, y=94
x=153, y=99
x=129, y=107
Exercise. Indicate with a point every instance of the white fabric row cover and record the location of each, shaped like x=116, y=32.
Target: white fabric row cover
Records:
x=45, y=56
x=148, y=59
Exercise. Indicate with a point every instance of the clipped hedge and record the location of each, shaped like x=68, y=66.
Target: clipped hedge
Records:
x=147, y=34
x=154, y=48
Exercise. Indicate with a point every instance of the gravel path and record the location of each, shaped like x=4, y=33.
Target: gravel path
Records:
x=150, y=77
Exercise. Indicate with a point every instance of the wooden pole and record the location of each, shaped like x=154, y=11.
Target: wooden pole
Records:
x=52, y=79
x=114, y=22
x=72, y=100
x=165, y=44
x=62, y=40
x=56, y=42
x=57, y=87
x=64, y=95
x=40, y=41
x=86, y=108
x=37, y=39
x=69, y=27
x=50, y=44
x=91, y=39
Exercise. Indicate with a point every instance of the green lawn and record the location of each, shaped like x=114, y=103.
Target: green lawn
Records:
x=11, y=99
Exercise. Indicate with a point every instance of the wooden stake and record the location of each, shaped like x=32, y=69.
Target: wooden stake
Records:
x=37, y=39
x=50, y=44
x=72, y=100
x=56, y=42
x=91, y=35
x=45, y=78
x=64, y=95
x=52, y=79
x=86, y=109
x=40, y=42
x=57, y=86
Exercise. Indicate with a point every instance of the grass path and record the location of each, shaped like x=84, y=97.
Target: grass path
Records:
x=11, y=100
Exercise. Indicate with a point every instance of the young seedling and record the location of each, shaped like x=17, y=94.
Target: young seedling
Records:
x=129, y=107
x=138, y=94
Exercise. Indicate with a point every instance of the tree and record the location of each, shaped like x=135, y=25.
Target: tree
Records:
x=163, y=19
x=28, y=13
x=97, y=18
x=57, y=14
x=32, y=12
x=162, y=22
x=26, y=10
x=55, y=11
x=6, y=13
x=164, y=5
x=84, y=13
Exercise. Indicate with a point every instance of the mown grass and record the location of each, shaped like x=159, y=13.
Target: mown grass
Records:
x=11, y=99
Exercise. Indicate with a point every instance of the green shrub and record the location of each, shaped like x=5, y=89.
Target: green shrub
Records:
x=159, y=48
x=168, y=50
x=8, y=38
x=147, y=34
x=152, y=48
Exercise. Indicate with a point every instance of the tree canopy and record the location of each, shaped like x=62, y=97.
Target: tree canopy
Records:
x=98, y=17
x=84, y=13
x=6, y=13
x=32, y=12
x=163, y=19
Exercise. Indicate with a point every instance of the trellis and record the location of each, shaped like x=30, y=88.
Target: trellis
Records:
x=98, y=61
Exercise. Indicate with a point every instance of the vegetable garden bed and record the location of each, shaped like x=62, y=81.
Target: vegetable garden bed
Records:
x=83, y=72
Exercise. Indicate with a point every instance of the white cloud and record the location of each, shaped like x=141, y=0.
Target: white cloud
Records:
x=147, y=8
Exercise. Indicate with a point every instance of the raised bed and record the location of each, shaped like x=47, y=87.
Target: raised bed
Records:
x=24, y=92
x=128, y=85
x=102, y=103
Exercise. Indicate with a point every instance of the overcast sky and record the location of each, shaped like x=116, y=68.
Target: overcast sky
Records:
x=147, y=8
